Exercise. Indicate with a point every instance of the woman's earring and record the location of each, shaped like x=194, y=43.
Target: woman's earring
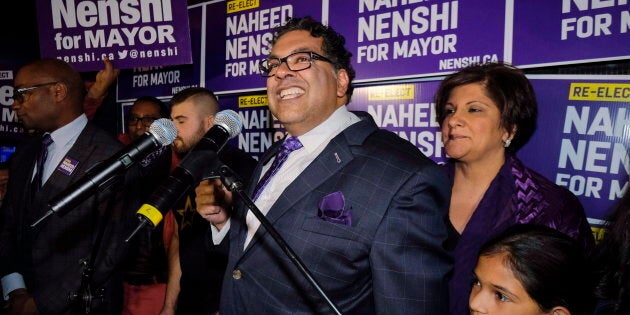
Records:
x=506, y=143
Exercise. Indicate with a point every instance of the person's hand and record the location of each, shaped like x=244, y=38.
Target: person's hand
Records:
x=213, y=201
x=104, y=79
x=167, y=311
x=21, y=303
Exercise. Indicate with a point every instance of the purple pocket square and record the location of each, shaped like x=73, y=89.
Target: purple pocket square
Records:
x=332, y=209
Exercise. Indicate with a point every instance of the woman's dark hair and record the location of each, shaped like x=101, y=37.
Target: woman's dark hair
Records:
x=164, y=110
x=549, y=264
x=507, y=86
x=333, y=44
x=612, y=260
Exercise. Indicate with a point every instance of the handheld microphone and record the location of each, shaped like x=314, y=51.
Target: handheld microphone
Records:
x=162, y=132
x=196, y=164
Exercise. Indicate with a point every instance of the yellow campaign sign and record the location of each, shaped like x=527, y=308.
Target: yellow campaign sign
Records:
x=252, y=101
x=608, y=92
x=240, y=5
x=392, y=92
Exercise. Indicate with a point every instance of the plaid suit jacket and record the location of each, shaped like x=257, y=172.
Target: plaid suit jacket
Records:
x=391, y=260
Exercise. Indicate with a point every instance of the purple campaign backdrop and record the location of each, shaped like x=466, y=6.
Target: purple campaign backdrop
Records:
x=165, y=81
x=560, y=32
x=131, y=33
x=407, y=110
x=583, y=143
x=10, y=129
x=260, y=128
x=236, y=46
x=401, y=39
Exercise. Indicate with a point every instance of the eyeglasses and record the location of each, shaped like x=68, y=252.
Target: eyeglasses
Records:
x=297, y=61
x=146, y=121
x=18, y=94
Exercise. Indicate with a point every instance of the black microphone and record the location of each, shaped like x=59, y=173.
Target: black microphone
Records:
x=162, y=132
x=197, y=164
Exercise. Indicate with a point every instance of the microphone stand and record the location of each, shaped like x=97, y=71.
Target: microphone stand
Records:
x=86, y=293
x=231, y=181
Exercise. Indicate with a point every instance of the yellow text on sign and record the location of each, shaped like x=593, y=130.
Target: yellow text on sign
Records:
x=391, y=92
x=610, y=92
x=240, y=5
x=252, y=101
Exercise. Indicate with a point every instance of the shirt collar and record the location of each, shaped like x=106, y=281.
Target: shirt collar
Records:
x=71, y=131
x=340, y=119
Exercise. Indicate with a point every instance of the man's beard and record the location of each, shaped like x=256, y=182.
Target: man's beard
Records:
x=182, y=147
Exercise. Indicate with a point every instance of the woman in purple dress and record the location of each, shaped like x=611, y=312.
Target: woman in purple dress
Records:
x=487, y=112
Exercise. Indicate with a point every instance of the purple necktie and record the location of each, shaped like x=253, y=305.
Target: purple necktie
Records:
x=290, y=144
x=41, y=159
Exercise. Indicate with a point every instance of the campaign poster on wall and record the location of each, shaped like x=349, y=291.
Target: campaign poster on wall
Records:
x=11, y=131
x=404, y=39
x=164, y=81
x=133, y=33
x=570, y=31
x=237, y=45
x=260, y=128
x=583, y=137
x=407, y=110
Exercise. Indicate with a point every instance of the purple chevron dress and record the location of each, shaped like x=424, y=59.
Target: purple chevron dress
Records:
x=516, y=195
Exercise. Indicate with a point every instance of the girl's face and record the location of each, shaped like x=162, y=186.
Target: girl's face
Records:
x=497, y=291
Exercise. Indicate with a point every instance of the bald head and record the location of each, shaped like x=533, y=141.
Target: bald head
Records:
x=53, y=96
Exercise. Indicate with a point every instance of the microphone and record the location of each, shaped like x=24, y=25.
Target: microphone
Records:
x=162, y=132
x=197, y=164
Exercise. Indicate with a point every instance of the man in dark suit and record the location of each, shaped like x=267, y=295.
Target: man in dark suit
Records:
x=41, y=266
x=364, y=210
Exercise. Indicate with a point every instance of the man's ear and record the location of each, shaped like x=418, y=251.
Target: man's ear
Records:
x=342, y=82
x=59, y=91
x=209, y=122
x=560, y=310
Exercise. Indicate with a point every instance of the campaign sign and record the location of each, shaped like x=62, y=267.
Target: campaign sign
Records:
x=407, y=110
x=583, y=137
x=132, y=33
x=11, y=130
x=236, y=46
x=260, y=128
x=165, y=81
x=570, y=31
x=404, y=39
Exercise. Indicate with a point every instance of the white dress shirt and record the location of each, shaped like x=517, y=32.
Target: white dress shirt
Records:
x=313, y=143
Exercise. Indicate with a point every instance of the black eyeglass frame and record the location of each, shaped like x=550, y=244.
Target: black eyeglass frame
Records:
x=266, y=71
x=18, y=94
x=146, y=120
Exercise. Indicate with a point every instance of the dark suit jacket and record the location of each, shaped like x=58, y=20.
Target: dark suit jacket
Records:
x=391, y=260
x=49, y=255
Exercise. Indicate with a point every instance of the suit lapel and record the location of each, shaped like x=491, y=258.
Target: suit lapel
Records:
x=336, y=155
x=77, y=157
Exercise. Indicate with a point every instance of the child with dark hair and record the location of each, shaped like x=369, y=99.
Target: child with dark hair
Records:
x=531, y=269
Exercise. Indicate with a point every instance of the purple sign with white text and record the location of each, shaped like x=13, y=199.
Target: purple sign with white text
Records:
x=236, y=46
x=560, y=32
x=165, y=81
x=405, y=39
x=582, y=140
x=132, y=33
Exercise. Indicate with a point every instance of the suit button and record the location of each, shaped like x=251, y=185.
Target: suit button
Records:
x=236, y=274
